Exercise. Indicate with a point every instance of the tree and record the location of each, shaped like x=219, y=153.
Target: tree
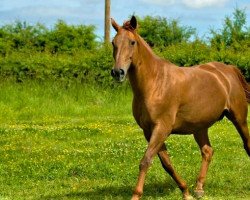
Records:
x=160, y=32
x=22, y=35
x=233, y=33
x=66, y=37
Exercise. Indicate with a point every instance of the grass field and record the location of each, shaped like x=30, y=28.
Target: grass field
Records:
x=69, y=141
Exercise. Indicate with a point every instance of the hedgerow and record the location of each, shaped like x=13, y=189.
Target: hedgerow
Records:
x=72, y=53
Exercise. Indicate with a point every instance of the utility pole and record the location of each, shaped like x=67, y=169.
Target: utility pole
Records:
x=107, y=21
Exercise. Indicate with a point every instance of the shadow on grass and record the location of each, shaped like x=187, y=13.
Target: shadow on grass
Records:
x=153, y=190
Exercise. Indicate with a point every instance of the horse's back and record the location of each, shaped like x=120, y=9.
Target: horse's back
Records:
x=209, y=81
x=228, y=76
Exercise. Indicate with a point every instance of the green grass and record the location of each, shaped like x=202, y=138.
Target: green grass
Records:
x=70, y=141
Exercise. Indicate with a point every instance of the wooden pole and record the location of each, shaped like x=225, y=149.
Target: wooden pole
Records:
x=107, y=21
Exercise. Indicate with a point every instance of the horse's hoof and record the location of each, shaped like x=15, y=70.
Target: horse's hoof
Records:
x=135, y=197
x=199, y=193
x=188, y=197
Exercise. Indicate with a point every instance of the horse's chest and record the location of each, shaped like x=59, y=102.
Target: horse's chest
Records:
x=142, y=114
x=147, y=114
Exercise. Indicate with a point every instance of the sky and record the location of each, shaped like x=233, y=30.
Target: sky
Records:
x=199, y=14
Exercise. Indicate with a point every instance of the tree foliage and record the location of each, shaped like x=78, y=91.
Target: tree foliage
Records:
x=234, y=33
x=71, y=52
x=61, y=38
x=160, y=32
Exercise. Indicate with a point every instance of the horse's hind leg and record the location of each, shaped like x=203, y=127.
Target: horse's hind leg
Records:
x=166, y=164
x=244, y=133
x=239, y=119
x=207, y=152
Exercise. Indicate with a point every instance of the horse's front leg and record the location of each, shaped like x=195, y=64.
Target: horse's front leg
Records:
x=159, y=134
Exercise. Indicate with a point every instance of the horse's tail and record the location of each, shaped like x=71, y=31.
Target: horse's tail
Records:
x=244, y=83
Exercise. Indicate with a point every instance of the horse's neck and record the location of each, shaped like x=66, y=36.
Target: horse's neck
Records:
x=145, y=68
x=144, y=49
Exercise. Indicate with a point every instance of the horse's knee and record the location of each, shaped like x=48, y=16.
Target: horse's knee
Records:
x=207, y=153
x=145, y=163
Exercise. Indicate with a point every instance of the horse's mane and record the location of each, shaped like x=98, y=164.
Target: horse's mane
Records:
x=126, y=25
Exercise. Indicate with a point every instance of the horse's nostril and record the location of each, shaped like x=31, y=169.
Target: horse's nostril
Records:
x=122, y=72
x=117, y=73
x=113, y=73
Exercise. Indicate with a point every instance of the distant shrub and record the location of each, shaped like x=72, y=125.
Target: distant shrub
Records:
x=186, y=53
x=161, y=32
x=71, y=52
x=82, y=66
x=61, y=38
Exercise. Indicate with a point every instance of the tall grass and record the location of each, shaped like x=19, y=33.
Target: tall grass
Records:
x=35, y=100
x=73, y=141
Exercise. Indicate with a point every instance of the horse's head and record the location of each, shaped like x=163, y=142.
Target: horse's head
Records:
x=124, y=44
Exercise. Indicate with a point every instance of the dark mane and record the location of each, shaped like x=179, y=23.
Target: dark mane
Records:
x=126, y=25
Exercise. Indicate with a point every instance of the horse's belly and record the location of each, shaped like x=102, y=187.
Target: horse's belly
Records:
x=196, y=121
x=190, y=128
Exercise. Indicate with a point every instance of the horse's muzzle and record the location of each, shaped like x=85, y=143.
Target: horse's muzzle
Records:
x=118, y=74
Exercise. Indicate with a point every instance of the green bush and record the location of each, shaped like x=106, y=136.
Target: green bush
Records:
x=160, y=32
x=62, y=38
x=186, y=53
x=66, y=38
x=71, y=53
x=82, y=66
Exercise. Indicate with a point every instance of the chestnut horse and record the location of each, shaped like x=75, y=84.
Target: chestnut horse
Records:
x=177, y=100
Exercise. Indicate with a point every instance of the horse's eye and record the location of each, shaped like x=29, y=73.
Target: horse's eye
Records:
x=132, y=42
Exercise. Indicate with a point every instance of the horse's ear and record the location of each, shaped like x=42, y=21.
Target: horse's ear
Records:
x=115, y=25
x=133, y=22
